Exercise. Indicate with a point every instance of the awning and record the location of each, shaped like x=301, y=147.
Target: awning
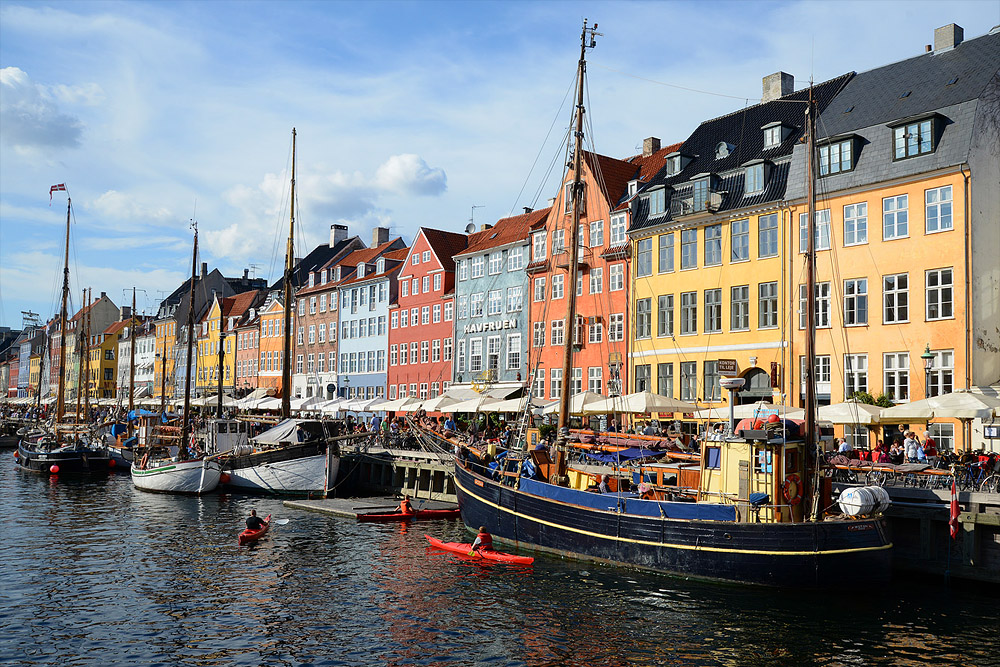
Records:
x=643, y=402
x=405, y=404
x=141, y=391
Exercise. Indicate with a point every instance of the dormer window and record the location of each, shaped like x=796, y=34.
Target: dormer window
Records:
x=633, y=187
x=755, y=178
x=380, y=265
x=673, y=165
x=657, y=201
x=723, y=149
x=312, y=280
x=360, y=273
x=322, y=277
x=836, y=156
x=915, y=137
x=336, y=273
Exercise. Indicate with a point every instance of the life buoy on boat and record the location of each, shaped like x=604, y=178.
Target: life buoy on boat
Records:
x=792, y=489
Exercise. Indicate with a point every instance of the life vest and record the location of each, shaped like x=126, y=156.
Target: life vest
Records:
x=485, y=541
x=405, y=507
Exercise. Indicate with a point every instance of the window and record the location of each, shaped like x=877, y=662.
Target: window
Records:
x=643, y=318
x=895, y=223
x=494, y=303
x=449, y=311
x=558, y=332
x=596, y=280
x=312, y=305
x=415, y=259
x=772, y=136
x=513, y=352
x=689, y=380
x=944, y=436
x=713, y=310
x=393, y=358
x=312, y=334
x=857, y=436
x=713, y=245
x=423, y=351
x=856, y=224
x=595, y=332
x=689, y=313
x=404, y=288
x=767, y=305
x=739, y=313
x=557, y=286
x=558, y=241
x=821, y=236
x=942, y=373
x=437, y=282
x=302, y=307
x=689, y=249
x=514, y=299
x=426, y=256
x=616, y=327
x=713, y=390
x=895, y=298
x=835, y=158
x=665, y=379
x=538, y=334
x=463, y=307
x=475, y=355
x=404, y=354
x=754, y=179
x=463, y=270
x=496, y=263
x=657, y=200
x=642, y=378
x=896, y=368
x=822, y=305
x=322, y=303
x=644, y=258
x=477, y=266
x=939, y=294
x=913, y=139
x=856, y=301
x=617, y=229
x=666, y=263
x=595, y=379
x=392, y=392
x=538, y=251
x=555, y=383
x=616, y=281
x=767, y=235
x=299, y=336
x=298, y=363
x=596, y=233
x=937, y=212
x=665, y=315
x=540, y=289
x=740, y=231
x=311, y=363
x=855, y=374
x=425, y=315
x=447, y=349
x=436, y=317
x=538, y=384
x=476, y=304
x=515, y=259
x=699, y=192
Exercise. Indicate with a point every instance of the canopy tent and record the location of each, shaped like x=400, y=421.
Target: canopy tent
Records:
x=761, y=409
x=213, y=400
x=960, y=404
x=331, y=407
x=515, y=405
x=850, y=412
x=248, y=401
x=623, y=455
x=266, y=404
x=642, y=402
x=579, y=404
x=479, y=404
x=360, y=405
x=308, y=403
x=441, y=403
x=283, y=431
x=141, y=391
x=405, y=404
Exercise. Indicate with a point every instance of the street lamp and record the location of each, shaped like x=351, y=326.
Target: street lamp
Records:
x=928, y=358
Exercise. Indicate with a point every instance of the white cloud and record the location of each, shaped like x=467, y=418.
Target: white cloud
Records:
x=30, y=118
x=121, y=206
x=409, y=174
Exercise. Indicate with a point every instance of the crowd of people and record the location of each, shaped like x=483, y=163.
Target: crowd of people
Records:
x=906, y=447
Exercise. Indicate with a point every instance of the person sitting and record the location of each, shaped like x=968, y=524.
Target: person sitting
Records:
x=404, y=506
x=254, y=522
x=845, y=448
x=895, y=454
x=603, y=486
x=484, y=541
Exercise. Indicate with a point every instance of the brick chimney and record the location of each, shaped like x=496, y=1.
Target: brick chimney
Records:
x=204, y=270
x=380, y=235
x=650, y=145
x=948, y=37
x=338, y=233
x=126, y=312
x=777, y=85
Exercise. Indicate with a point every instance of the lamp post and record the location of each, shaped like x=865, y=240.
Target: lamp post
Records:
x=928, y=358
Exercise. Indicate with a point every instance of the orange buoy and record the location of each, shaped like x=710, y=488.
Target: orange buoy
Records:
x=17, y=455
x=773, y=419
x=224, y=478
x=54, y=469
x=111, y=463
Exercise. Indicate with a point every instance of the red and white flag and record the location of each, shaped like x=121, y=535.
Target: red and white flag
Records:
x=56, y=188
x=953, y=518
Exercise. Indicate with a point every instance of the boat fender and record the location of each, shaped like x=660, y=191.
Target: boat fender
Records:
x=792, y=489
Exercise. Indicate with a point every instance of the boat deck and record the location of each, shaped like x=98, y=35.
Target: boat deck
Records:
x=351, y=507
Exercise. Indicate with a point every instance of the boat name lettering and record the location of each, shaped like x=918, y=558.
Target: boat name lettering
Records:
x=498, y=325
x=861, y=526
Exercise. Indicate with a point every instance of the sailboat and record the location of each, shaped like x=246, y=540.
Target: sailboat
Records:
x=297, y=456
x=736, y=537
x=187, y=471
x=65, y=450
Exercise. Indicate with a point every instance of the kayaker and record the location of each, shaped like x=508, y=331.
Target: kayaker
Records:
x=484, y=541
x=404, y=506
x=254, y=522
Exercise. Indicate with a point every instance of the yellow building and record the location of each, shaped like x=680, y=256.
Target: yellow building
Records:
x=34, y=372
x=102, y=380
x=219, y=322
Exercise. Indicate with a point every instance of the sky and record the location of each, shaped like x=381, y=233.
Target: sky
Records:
x=408, y=114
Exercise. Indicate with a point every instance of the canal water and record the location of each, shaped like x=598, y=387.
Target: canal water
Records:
x=97, y=573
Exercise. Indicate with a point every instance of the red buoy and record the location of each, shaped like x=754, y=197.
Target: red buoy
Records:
x=773, y=419
x=54, y=469
x=111, y=463
x=17, y=455
x=758, y=425
x=224, y=478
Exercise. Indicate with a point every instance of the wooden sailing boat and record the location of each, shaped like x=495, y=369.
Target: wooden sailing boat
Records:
x=187, y=471
x=731, y=536
x=297, y=456
x=66, y=450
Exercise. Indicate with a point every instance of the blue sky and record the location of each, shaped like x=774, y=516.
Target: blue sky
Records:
x=408, y=114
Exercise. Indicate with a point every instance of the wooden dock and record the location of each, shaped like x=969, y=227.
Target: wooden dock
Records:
x=351, y=507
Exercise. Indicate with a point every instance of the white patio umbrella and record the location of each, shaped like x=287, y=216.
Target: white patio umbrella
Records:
x=439, y=404
x=405, y=404
x=331, y=407
x=751, y=410
x=579, y=404
x=641, y=402
x=306, y=403
x=851, y=412
x=960, y=404
x=267, y=404
x=473, y=405
x=360, y=404
x=515, y=405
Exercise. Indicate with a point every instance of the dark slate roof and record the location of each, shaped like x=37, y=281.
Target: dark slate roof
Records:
x=743, y=131
x=314, y=261
x=446, y=245
x=874, y=96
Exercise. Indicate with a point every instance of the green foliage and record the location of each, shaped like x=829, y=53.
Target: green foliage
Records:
x=881, y=400
x=545, y=429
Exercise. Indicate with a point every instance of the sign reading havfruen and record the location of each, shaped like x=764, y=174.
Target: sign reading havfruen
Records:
x=727, y=368
x=498, y=325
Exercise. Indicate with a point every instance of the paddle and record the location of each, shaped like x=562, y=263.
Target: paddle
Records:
x=280, y=522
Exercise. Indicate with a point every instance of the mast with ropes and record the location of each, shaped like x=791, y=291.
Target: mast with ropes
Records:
x=186, y=427
x=286, y=366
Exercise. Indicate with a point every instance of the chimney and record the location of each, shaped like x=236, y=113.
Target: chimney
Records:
x=103, y=294
x=483, y=227
x=379, y=236
x=650, y=145
x=948, y=37
x=777, y=85
x=527, y=210
x=552, y=201
x=246, y=274
x=204, y=270
x=126, y=312
x=338, y=233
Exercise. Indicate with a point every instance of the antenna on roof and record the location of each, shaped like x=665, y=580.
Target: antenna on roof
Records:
x=472, y=221
x=253, y=268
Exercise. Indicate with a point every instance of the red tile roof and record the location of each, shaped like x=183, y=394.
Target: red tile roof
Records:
x=648, y=166
x=115, y=327
x=507, y=230
x=236, y=306
x=398, y=255
x=446, y=245
x=615, y=175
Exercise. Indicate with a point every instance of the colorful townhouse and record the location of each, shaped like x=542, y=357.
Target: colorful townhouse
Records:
x=247, y=332
x=217, y=330
x=103, y=367
x=103, y=313
x=421, y=319
x=367, y=289
x=599, y=333
x=709, y=270
x=271, y=345
x=491, y=321
x=144, y=362
x=907, y=234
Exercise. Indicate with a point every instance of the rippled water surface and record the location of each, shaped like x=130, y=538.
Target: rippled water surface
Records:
x=96, y=573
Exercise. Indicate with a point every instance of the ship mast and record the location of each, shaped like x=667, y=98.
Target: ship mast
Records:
x=131, y=365
x=222, y=353
x=79, y=365
x=570, y=288
x=810, y=270
x=61, y=389
x=286, y=366
x=86, y=398
x=186, y=423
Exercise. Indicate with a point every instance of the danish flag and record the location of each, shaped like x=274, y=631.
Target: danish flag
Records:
x=56, y=188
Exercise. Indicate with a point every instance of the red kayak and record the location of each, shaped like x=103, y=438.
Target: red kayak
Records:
x=485, y=554
x=419, y=515
x=252, y=535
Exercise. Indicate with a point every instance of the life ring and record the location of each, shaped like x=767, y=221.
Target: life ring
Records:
x=792, y=489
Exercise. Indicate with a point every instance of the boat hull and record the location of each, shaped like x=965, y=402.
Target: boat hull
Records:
x=186, y=477
x=75, y=461
x=809, y=555
x=419, y=515
x=248, y=536
x=298, y=470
